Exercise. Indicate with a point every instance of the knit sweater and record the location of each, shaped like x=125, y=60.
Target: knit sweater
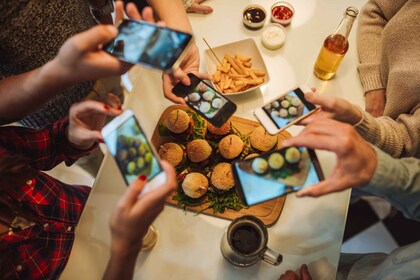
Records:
x=32, y=33
x=389, y=53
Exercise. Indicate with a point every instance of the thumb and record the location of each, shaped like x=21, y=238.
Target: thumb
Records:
x=133, y=191
x=92, y=38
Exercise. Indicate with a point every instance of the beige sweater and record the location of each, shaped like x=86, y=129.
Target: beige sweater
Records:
x=389, y=53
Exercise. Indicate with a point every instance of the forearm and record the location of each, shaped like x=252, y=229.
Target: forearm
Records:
x=172, y=12
x=397, y=180
x=121, y=266
x=371, y=24
x=25, y=93
x=400, y=137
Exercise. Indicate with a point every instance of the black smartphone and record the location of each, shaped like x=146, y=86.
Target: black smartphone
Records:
x=132, y=152
x=149, y=44
x=205, y=100
x=276, y=173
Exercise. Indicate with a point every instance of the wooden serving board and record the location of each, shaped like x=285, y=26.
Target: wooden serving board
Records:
x=268, y=211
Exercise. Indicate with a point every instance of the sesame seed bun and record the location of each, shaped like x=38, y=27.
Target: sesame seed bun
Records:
x=261, y=140
x=195, y=185
x=253, y=155
x=231, y=146
x=198, y=150
x=222, y=176
x=172, y=152
x=223, y=130
x=177, y=121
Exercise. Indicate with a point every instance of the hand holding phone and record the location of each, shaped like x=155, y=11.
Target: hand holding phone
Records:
x=132, y=152
x=276, y=173
x=285, y=111
x=205, y=100
x=140, y=42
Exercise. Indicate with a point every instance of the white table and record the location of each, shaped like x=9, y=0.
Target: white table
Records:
x=308, y=231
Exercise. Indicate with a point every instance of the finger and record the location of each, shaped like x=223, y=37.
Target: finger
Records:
x=180, y=76
x=130, y=196
x=91, y=106
x=91, y=39
x=132, y=11
x=200, y=9
x=320, y=114
x=327, y=102
x=319, y=189
x=167, y=91
x=112, y=100
x=313, y=141
x=85, y=135
x=119, y=11
x=203, y=76
x=147, y=14
x=170, y=185
x=304, y=273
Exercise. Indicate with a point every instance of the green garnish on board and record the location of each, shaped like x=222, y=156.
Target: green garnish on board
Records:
x=199, y=125
x=227, y=200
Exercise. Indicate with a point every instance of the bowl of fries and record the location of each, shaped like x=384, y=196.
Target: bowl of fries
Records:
x=241, y=68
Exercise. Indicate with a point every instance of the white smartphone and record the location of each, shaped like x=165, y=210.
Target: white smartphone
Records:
x=285, y=110
x=132, y=152
x=149, y=44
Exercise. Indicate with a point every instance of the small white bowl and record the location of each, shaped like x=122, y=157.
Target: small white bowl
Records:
x=254, y=16
x=273, y=36
x=246, y=47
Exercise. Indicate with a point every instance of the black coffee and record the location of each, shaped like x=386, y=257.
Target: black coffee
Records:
x=246, y=239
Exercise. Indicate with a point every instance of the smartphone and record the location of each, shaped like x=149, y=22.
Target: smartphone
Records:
x=140, y=42
x=276, y=173
x=285, y=111
x=132, y=152
x=205, y=100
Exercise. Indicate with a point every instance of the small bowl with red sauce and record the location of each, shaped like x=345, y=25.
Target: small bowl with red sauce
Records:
x=282, y=12
x=254, y=16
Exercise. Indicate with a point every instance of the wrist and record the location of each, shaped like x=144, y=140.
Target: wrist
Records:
x=79, y=145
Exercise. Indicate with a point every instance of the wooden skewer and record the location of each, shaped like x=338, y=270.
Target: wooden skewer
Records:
x=212, y=51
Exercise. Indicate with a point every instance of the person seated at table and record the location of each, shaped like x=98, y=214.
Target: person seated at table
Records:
x=367, y=168
x=399, y=138
x=389, y=72
x=38, y=213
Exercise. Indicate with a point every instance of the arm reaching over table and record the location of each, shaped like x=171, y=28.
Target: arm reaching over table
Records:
x=359, y=165
x=131, y=220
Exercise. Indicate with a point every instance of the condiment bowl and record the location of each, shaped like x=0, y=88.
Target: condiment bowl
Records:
x=282, y=12
x=254, y=16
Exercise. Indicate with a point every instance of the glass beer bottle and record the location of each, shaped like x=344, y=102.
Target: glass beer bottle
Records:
x=335, y=47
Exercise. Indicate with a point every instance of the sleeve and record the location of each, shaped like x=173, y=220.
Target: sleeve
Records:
x=398, y=181
x=399, y=138
x=373, y=18
x=45, y=148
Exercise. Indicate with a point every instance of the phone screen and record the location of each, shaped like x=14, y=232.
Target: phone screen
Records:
x=276, y=173
x=288, y=108
x=205, y=100
x=132, y=152
x=145, y=43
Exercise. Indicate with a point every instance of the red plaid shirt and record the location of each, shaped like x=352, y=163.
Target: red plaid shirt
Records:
x=41, y=251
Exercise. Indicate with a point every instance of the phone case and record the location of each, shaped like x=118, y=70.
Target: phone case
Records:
x=276, y=173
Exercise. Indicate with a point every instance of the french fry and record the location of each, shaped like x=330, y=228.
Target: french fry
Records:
x=235, y=74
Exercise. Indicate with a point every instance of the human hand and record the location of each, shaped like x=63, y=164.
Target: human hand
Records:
x=197, y=7
x=291, y=275
x=375, y=102
x=332, y=107
x=132, y=12
x=87, y=118
x=356, y=159
x=133, y=214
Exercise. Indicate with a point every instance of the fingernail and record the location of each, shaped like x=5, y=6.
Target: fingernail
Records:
x=106, y=107
x=142, y=177
x=100, y=140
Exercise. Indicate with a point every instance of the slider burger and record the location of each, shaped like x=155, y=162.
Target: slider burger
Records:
x=179, y=124
x=198, y=150
x=231, y=146
x=261, y=140
x=195, y=185
x=222, y=177
x=173, y=153
x=217, y=133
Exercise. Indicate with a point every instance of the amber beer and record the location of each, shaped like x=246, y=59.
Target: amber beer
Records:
x=335, y=47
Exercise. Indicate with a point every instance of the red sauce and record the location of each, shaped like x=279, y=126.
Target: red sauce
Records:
x=282, y=12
